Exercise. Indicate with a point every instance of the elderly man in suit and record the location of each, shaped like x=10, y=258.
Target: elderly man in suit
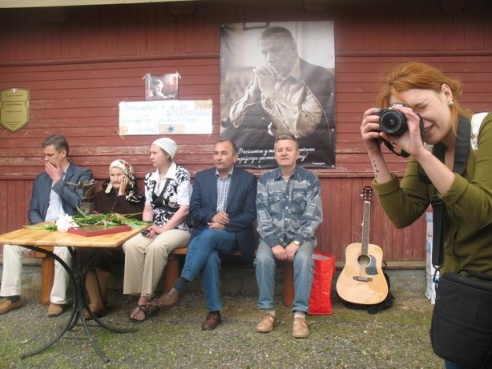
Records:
x=223, y=210
x=51, y=196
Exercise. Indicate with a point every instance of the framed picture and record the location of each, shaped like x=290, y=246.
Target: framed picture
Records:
x=163, y=87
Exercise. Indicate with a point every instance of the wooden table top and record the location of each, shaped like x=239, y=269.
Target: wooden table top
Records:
x=29, y=236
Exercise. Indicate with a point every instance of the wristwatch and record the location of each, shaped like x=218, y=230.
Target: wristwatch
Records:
x=297, y=243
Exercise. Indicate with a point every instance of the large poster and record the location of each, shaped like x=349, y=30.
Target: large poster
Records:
x=278, y=79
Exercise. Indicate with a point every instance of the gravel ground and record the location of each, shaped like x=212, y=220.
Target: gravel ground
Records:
x=395, y=338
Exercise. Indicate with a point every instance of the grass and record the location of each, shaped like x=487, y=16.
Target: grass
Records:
x=395, y=338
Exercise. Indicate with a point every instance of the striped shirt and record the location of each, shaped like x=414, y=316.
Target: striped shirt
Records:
x=223, y=185
x=288, y=210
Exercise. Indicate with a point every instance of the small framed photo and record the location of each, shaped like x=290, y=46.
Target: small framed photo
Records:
x=161, y=87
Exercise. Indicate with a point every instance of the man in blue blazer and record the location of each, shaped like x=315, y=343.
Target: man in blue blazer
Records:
x=223, y=210
x=51, y=196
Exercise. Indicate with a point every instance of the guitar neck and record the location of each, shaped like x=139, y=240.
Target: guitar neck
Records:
x=365, y=228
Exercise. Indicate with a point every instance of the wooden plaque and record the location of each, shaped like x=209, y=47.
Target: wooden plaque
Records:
x=14, y=108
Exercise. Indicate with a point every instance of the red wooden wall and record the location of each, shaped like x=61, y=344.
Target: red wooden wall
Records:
x=80, y=62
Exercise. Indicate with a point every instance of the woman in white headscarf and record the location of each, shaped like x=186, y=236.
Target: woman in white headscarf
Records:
x=168, y=191
x=119, y=194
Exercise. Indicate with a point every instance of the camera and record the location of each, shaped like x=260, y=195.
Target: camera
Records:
x=392, y=122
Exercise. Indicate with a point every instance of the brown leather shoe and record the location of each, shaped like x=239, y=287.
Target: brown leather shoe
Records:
x=100, y=313
x=211, y=321
x=6, y=305
x=267, y=323
x=300, y=329
x=55, y=310
x=171, y=298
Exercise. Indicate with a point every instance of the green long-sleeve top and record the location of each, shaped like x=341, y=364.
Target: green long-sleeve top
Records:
x=468, y=214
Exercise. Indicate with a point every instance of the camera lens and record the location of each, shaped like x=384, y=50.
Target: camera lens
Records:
x=392, y=122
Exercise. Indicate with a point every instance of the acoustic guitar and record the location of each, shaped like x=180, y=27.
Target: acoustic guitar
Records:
x=362, y=280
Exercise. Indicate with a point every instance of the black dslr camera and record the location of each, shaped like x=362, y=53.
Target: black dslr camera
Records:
x=392, y=122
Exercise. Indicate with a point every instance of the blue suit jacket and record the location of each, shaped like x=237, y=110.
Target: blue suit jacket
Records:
x=241, y=206
x=70, y=195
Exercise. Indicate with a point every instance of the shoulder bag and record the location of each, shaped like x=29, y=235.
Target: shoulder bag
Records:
x=461, y=328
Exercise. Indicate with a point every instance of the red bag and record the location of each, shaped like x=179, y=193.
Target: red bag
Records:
x=324, y=268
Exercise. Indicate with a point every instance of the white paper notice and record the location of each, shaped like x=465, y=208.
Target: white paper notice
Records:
x=165, y=117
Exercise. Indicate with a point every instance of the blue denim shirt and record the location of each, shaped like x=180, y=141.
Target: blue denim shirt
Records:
x=288, y=210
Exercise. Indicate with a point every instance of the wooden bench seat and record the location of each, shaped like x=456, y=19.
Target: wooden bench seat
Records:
x=169, y=276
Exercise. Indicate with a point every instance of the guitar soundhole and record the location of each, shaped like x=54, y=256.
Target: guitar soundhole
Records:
x=364, y=260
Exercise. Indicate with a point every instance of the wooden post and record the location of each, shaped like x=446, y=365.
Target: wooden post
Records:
x=171, y=273
x=288, y=283
x=47, y=276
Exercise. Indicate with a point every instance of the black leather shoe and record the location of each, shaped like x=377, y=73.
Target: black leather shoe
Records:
x=211, y=321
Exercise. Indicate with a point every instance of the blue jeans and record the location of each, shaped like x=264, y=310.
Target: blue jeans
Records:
x=452, y=365
x=203, y=257
x=265, y=264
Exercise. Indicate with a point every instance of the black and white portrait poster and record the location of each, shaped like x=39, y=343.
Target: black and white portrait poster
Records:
x=278, y=78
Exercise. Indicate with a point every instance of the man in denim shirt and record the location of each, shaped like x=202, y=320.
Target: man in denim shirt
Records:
x=289, y=211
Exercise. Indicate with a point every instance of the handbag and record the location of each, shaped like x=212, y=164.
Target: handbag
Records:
x=320, y=297
x=461, y=327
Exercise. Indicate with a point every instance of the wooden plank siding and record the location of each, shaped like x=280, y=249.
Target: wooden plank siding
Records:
x=80, y=62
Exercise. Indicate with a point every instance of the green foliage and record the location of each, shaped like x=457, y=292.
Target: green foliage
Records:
x=51, y=226
x=107, y=219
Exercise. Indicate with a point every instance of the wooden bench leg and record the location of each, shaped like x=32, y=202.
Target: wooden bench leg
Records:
x=288, y=284
x=47, y=277
x=171, y=273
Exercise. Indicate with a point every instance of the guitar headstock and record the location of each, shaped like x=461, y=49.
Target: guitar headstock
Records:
x=366, y=193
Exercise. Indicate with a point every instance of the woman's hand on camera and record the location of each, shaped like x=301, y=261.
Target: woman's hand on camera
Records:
x=370, y=133
x=369, y=129
x=411, y=141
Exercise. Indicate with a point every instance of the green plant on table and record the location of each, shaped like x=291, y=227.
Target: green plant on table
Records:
x=107, y=219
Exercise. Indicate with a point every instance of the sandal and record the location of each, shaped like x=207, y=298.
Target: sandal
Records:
x=139, y=311
x=152, y=306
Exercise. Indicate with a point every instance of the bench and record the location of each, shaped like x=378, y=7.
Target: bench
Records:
x=169, y=276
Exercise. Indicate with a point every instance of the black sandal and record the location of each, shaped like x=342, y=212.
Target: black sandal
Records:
x=140, y=309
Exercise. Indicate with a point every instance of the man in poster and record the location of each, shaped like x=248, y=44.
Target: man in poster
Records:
x=286, y=95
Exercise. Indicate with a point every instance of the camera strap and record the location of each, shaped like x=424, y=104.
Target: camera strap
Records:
x=391, y=148
x=461, y=152
x=464, y=135
x=403, y=153
x=438, y=210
